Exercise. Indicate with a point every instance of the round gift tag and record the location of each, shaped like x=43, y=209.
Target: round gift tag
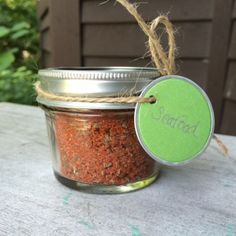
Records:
x=179, y=125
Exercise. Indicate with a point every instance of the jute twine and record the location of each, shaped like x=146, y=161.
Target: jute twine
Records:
x=131, y=99
x=164, y=62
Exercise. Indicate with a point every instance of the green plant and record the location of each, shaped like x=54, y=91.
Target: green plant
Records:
x=19, y=50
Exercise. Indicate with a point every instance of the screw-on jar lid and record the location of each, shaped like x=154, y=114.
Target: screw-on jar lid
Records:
x=94, y=82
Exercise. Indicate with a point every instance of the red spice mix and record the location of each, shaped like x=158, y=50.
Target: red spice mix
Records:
x=101, y=147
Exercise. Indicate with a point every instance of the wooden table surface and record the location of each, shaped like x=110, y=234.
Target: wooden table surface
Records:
x=197, y=199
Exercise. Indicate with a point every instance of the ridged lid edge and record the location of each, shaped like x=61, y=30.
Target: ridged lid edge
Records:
x=101, y=73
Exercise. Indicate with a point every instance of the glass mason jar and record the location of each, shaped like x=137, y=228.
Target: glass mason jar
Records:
x=94, y=145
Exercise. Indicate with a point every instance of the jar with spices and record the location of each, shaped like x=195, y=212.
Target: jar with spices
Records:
x=94, y=144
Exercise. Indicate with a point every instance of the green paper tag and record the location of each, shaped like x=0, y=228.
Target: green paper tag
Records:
x=179, y=125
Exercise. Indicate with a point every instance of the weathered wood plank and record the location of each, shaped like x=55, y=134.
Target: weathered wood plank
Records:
x=229, y=117
x=94, y=12
x=116, y=61
x=196, y=70
x=234, y=10
x=42, y=8
x=218, y=56
x=65, y=27
x=46, y=60
x=197, y=199
x=230, y=88
x=46, y=40
x=232, y=48
x=128, y=40
x=44, y=23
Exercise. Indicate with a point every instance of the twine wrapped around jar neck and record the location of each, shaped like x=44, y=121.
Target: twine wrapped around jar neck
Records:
x=129, y=99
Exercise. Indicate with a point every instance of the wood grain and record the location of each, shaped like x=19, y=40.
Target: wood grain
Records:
x=46, y=59
x=116, y=40
x=229, y=117
x=230, y=88
x=181, y=10
x=46, y=43
x=45, y=22
x=42, y=8
x=234, y=10
x=218, y=56
x=65, y=35
x=232, y=47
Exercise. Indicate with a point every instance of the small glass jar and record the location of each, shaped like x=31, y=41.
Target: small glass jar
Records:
x=94, y=145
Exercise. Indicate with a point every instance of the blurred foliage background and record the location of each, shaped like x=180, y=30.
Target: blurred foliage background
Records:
x=19, y=50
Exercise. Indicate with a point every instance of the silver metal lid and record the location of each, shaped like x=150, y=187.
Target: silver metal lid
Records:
x=95, y=82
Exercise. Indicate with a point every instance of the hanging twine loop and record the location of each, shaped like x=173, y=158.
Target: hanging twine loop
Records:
x=164, y=62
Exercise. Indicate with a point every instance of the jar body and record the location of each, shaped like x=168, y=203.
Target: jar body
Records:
x=98, y=151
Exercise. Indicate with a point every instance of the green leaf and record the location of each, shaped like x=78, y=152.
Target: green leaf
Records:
x=5, y=73
x=4, y=31
x=11, y=4
x=19, y=34
x=21, y=68
x=6, y=59
x=19, y=74
x=14, y=50
x=20, y=26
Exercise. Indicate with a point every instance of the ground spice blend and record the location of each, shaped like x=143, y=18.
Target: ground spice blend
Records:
x=94, y=146
x=101, y=147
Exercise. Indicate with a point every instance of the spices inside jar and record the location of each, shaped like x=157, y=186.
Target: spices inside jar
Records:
x=101, y=148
